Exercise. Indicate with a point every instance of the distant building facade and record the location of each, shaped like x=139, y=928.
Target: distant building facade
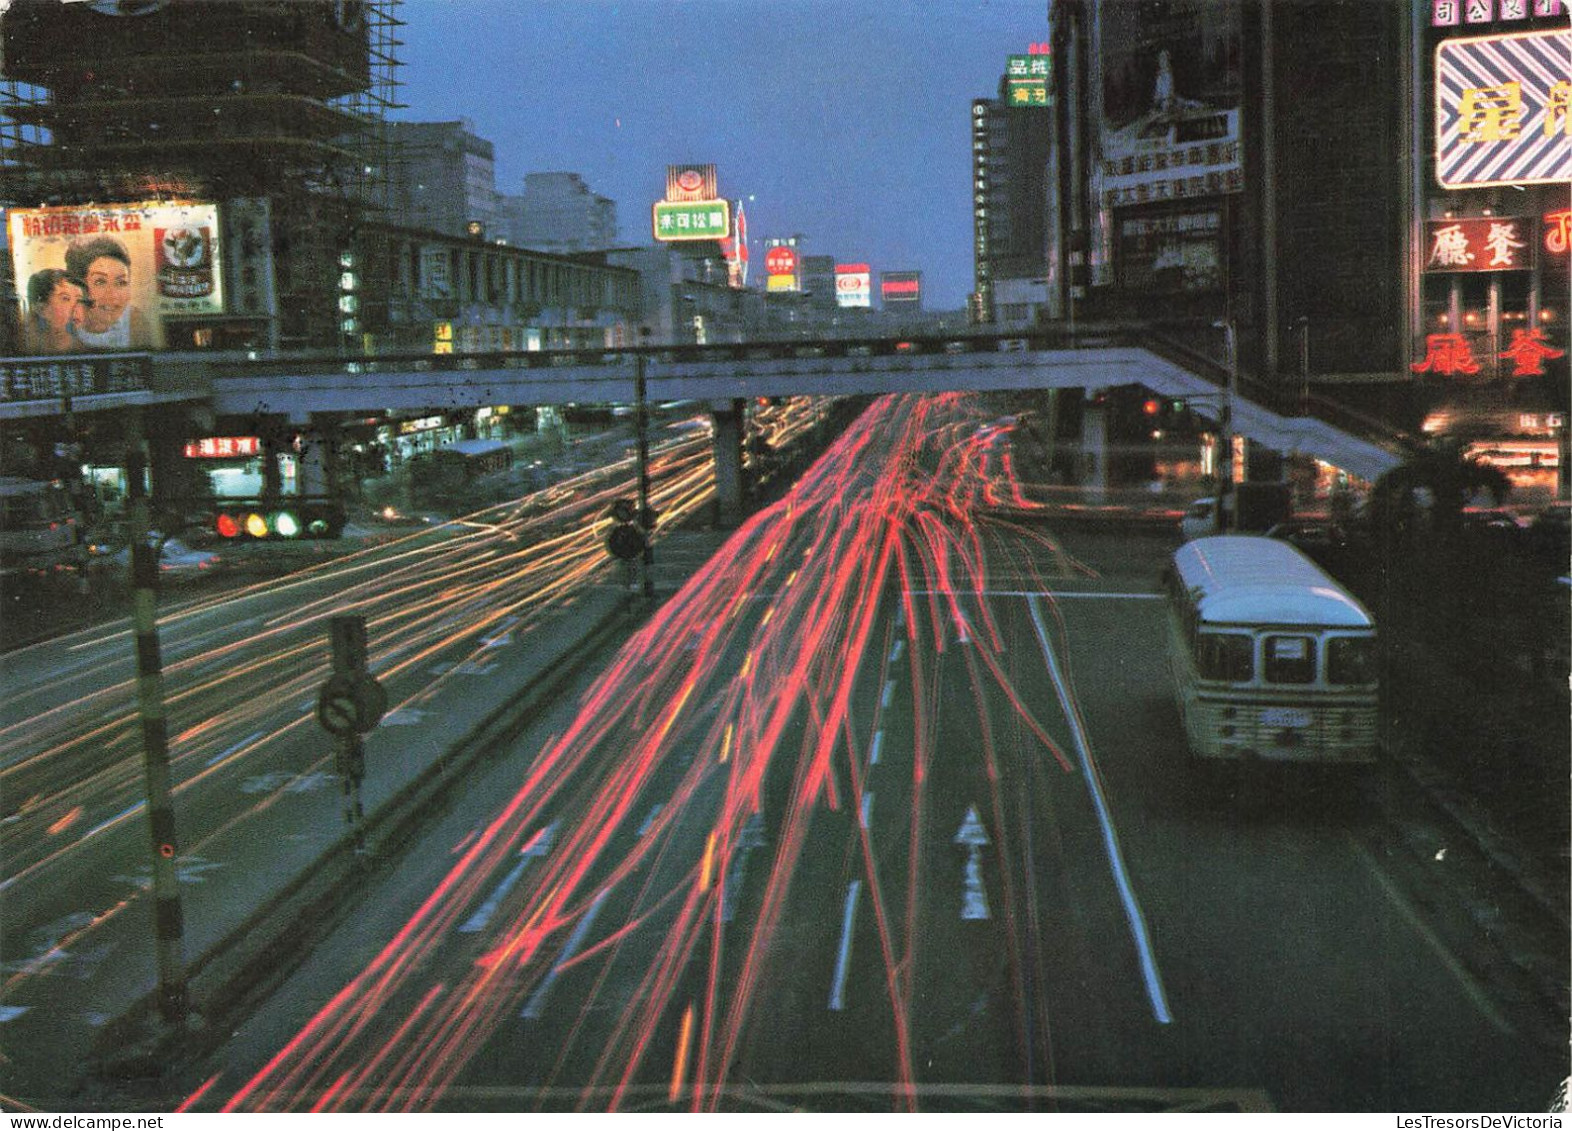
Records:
x=442, y=178
x=558, y=213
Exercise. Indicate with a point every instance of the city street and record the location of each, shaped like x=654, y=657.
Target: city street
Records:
x=934, y=846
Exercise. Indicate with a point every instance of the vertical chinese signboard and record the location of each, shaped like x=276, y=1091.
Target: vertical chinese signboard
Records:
x=1027, y=78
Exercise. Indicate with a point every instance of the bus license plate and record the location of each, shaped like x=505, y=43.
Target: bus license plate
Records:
x=1284, y=717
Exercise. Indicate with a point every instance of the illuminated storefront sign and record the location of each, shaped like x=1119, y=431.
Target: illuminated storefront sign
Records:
x=1447, y=355
x=1504, y=110
x=853, y=285
x=1452, y=354
x=1528, y=352
x=735, y=248
x=224, y=447
x=1558, y=226
x=900, y=287
x=691, y=220
x=1503, y=243
x=130, y=265
x=1456, y=13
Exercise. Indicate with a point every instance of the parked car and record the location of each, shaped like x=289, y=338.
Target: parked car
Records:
x=176, y=560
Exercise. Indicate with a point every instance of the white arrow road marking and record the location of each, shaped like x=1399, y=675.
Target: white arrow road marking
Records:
x=974, y=901
x=842, y=960
x=752, y=837
x=538, y=846
x=537, y=1003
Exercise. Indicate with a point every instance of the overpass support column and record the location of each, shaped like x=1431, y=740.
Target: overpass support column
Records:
x=318, y=466
x=730, y=486
x=1094, y=449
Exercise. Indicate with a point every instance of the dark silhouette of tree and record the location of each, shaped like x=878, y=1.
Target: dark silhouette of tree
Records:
x=1426, y=496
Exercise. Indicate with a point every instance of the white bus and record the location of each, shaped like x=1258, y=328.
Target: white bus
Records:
x=1272, y=659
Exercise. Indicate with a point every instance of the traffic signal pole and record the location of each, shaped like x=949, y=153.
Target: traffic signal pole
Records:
x=641, y=422
x=168, y=920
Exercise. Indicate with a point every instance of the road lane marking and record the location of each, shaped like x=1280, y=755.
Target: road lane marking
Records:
x=867, y=808
x=900, y=646
x=537, y=1003
x=876, y=748
x=1132, y=909
x=236, y=748
x=842, y=963
x=650, y=820
x=889, y=690
x=1471, y=989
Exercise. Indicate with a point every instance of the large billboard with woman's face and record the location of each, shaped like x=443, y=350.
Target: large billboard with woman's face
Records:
x=96, y=278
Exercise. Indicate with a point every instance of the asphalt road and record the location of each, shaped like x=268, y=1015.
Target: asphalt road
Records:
x=888, y=810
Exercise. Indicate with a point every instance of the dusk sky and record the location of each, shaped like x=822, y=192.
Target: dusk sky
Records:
x=845, y=121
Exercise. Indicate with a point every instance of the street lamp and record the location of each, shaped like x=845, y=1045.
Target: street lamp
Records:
x=1226, y=487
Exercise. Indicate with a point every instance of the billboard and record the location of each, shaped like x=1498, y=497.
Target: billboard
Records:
x=1170, y=102
x=1502, y=114
x=780, y=266
x=691, y=182
x=853, y=284
x=103, y=277
x=900, y=288
x=691, y=220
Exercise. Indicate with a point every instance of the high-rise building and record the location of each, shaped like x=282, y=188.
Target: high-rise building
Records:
x=443, y=178
x=1347, y=192
x=559, y=213
x=1011, y=147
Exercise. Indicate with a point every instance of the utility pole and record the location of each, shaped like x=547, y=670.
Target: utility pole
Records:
x=168, y=920
x=1225, y=489
x=641, y=424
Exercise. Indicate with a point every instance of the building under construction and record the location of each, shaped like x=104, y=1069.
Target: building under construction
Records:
x=273, y=110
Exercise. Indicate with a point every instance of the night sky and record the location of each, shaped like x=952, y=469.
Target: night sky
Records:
x=844, y=121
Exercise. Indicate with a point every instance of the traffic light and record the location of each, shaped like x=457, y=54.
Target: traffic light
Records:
x=629, y=537
x=287, y=520
x=1151, y=406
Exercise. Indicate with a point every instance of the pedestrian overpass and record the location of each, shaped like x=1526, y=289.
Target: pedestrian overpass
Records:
x=314, y=391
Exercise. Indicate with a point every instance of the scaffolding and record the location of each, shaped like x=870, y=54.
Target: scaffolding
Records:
x=273, y=106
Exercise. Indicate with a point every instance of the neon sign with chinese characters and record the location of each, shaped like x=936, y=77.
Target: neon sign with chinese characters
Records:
x=1480, y=244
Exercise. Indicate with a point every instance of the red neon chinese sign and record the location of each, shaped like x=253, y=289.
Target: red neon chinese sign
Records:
x=1558, y=229
x=1448, y=355
x=224, y=447
x=1528, y=352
